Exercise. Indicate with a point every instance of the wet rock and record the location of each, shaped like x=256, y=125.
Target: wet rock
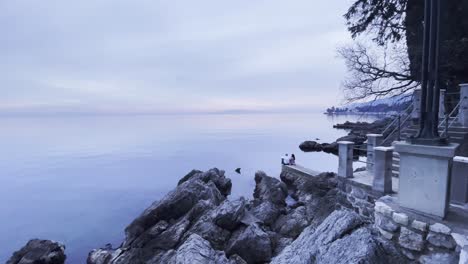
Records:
x=38, y=251
x=310, y=146
x=331, y=148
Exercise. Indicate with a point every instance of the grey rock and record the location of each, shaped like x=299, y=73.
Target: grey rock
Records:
x=330, y=148
x=208, y=230
x=437, y=258
x=195, y=250
x=358, y=247
x=341, y=238
x=411, y=240
x=251, y=243
x=201, y=186
x=292, y=224
x=169, y=238
x=310, y=146
x=103, y=256
x=441, y=240
x=385, y=223
x=266, y=212
x=270, y=189
x=189, y=175
x=440, y=228
x=230, y=214
x=38, y=251
x=281, y=244
x=305, y=248
x=409, y=254
x=235, y=259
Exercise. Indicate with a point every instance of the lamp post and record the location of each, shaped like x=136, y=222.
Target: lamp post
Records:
x=430, y=91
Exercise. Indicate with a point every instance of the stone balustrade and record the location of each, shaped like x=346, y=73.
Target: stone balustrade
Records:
x=345, y=159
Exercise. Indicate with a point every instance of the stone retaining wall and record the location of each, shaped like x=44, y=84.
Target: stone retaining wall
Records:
x=359, y=197
x=419, y=240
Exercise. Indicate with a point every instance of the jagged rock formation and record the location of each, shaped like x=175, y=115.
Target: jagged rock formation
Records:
x=39, y=252
x=196, y=223
x=340, y=238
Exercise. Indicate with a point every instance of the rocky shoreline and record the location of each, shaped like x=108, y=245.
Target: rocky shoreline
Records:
x=294, y=219
x=357, y=134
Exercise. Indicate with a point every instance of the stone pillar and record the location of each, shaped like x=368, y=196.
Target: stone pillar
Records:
x=416, y=104
x=424, y=177
x=345, y=163
x=383, y=158
x=373, y=140
x=463, y=111
x=442, y=104
x=459, y=181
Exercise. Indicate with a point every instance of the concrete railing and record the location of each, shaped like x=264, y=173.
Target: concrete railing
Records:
x=345, y=159
x=383, y=159
x=459, y=181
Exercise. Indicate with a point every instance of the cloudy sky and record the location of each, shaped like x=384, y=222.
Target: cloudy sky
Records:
x=174, y=56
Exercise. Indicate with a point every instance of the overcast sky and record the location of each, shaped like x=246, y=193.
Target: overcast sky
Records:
x=170, y=56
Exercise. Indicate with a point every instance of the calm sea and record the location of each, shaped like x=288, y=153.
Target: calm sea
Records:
x=81, y=179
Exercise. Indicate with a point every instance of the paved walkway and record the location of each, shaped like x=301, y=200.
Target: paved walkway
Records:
x=300, y=169
x=367, y=178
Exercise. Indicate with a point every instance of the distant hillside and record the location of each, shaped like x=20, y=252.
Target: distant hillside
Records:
x=383, y=105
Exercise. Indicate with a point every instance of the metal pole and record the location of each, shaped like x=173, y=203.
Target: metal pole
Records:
x=430, y=93
x=447, y=116
x=399, y=127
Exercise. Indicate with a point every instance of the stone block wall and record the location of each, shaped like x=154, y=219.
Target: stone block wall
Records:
x=419, y=240
x=358, y=197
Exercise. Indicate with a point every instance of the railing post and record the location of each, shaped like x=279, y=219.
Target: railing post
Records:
x=442, y=104
x=345, y=163
x=383, y=169
x=459, y=182
x=373, y=140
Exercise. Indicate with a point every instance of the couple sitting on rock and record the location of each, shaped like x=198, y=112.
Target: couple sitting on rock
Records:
x=286, y=160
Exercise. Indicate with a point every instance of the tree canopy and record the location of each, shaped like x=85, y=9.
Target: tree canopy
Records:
x=400, y=22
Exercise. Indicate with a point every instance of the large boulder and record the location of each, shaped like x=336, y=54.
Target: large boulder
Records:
x=211, y=185
x=208, y=230
x=195, y=250
x=341, y=238
x=251, y=243
x=38, y=251
x=230, y=214
x=292, y=223
x=270, y=189
x=310, y=146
